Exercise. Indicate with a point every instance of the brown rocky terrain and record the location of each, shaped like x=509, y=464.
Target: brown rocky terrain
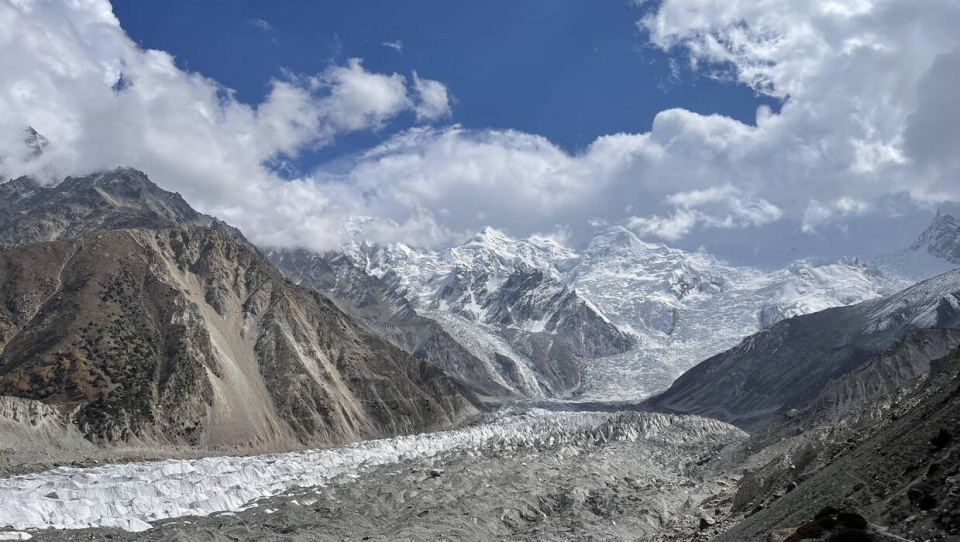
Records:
x=183, y=336
x=900, y=471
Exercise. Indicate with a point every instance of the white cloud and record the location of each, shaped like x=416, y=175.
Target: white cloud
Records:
x=719, y=207
x=671, y=228
x=819, y=214
x=356, y=99
x=396, y=45
x=434, y=100
x=62, y=63
x=260, y=24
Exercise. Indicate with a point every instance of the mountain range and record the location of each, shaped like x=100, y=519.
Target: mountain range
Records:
x=127, y=318
x=615, y=319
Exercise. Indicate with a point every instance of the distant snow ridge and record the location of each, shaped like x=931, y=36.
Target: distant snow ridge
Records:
x=128, y=496
x=810, y=286
x=494, y=291
x=505, y=300
x=941, y=239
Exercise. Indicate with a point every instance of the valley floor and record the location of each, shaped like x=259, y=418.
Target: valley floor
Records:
x=522, y=474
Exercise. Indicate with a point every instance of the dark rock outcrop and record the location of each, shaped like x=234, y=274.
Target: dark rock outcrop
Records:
x=899, y=471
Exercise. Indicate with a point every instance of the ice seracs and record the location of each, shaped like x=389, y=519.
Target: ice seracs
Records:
x=129, y=496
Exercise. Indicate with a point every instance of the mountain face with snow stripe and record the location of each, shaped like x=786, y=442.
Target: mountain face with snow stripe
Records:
x=185, y=337
x=153, y=323
x=941, y=239
x=629, y=315
x=786, y=366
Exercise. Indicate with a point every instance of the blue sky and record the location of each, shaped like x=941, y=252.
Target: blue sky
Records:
x=569, y=70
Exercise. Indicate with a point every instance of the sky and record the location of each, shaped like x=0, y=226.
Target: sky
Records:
x=760, y=130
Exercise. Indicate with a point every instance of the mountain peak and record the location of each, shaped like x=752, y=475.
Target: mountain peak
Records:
x=490, y=235
x=618, y=238
x=117, y=199
x=121, y=176
x=942, y=238
x=36, y=142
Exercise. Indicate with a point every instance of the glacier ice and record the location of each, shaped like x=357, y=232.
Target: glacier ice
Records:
x=129, y=496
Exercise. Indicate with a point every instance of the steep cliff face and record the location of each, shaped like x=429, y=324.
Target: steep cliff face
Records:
x=184, y=336
x=941, y=239
x=788, y=365
x=122, y=198
x=376, y=305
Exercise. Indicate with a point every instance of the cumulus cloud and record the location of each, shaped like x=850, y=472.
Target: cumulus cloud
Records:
x=868, y=116
x=818, y=214
x=72, y=73
x=721, y=207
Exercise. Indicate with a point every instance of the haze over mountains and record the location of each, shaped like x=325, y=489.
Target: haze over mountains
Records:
x=671, y=271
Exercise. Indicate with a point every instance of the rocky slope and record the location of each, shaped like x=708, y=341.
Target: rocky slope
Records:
x=373, y=302
x=901, y=470
x=788, y=365
x=183, y=336
x=122, y=198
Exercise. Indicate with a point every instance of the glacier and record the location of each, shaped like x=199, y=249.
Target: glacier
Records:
x=130, y=496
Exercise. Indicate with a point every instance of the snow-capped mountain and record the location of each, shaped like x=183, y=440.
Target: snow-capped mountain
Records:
x=616, y=319
x=687, y=306
x=941, y=239
x=788, y=365
x=507, y=301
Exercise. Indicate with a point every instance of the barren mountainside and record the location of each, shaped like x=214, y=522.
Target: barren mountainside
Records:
x=121, y=198
x=788, y=365
x=184, y=336
x=900, y=471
